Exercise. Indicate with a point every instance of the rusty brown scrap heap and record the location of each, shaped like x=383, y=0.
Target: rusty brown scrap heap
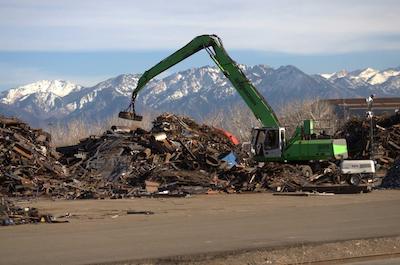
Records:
x=386, y=144
x=26, y=158
x=386, y=141
x=176, y=157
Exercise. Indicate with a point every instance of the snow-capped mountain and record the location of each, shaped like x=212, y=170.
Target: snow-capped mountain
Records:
x=57, y=88
x=383, y=83
x=197, y=92
x=40, y=98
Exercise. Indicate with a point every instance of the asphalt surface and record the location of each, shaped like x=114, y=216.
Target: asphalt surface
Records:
x=100, y=231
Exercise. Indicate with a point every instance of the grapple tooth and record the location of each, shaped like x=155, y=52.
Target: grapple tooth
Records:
x=130, y=116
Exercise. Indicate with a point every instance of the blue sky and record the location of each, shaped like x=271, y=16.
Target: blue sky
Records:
x=88, y=41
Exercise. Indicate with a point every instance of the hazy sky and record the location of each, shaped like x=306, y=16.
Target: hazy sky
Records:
x=88, y=41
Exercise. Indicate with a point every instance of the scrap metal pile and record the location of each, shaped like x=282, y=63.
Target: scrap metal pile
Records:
x=392, y=178
x=27, y=161
x=386, y=144
x=386, y=138
x=177, y=157
x=123, y=162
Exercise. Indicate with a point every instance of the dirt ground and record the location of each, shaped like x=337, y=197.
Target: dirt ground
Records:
x=208, y=229
x=374, y=251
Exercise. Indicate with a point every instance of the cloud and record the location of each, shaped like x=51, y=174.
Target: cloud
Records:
x=292, y=26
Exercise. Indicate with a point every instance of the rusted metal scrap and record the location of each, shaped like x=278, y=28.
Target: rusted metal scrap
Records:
x=11, y=214
x=27, y=161
x=386, y=138
x=386, y=143
x=392, y=178
x=176, y=157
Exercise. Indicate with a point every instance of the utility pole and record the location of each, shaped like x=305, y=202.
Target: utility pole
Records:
x=370, y=116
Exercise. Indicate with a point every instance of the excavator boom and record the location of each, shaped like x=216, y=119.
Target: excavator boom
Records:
x=213, y=45
x=269, y=141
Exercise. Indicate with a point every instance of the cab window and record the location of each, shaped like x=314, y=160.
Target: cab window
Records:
x=271, y=140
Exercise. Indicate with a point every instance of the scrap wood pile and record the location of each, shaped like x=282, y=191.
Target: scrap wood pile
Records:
x=27, y=161
x=386, y=142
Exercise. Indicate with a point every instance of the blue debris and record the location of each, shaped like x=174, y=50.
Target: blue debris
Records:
x=231, y=159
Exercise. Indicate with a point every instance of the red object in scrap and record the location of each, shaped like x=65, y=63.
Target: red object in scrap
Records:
x=230, y=136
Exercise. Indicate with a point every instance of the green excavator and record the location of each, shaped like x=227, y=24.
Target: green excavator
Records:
x=269, y=143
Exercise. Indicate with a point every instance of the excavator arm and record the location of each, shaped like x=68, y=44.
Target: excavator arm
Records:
x=213, y=45
x=269, y=141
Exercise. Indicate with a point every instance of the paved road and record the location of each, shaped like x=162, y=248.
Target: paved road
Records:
x=102, y=232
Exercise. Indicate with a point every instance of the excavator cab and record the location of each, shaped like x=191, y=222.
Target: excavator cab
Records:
x=268, y=142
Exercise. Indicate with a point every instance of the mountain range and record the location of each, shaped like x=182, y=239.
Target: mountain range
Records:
x=197, y=92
